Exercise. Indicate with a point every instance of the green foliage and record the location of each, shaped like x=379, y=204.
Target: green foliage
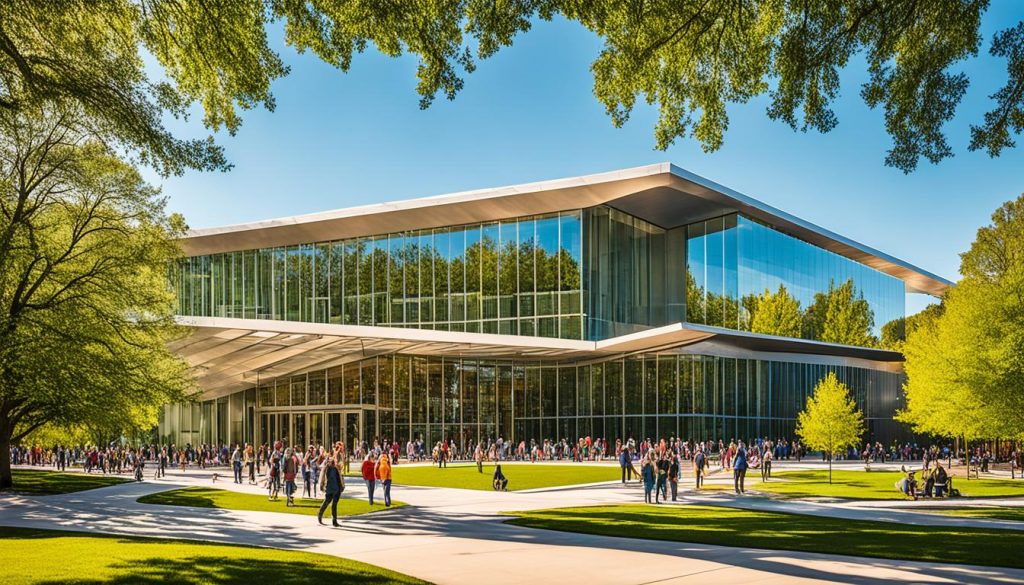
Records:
x=690, y=59
x=830, y=421
x=776, y=314
x=85, y=306
x=965, y=362
x=840, y=315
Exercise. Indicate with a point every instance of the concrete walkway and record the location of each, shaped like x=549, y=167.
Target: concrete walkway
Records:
x=458, y=536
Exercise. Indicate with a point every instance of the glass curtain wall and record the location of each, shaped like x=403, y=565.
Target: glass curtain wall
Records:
x=700, y=397
x=521, y=276
x=733, y=261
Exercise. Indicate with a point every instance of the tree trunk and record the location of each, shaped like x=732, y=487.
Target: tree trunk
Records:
x=6, y=479
x=829, y=469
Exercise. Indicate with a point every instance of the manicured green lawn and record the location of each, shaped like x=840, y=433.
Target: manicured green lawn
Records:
x=994, y=512
x=38, y=482
x=873, y=485
x=521, y=476
x=771, y=530
x=201, y=497
x=48, y=556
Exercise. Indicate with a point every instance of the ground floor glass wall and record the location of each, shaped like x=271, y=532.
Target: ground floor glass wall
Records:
x=658, y=395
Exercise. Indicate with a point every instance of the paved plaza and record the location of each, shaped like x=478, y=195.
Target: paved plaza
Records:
x=459, y=536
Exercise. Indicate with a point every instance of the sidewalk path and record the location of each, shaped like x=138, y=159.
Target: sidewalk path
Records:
x=457, y=536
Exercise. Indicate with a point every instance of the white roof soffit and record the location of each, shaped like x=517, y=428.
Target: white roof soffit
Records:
x=662, y=193
x=228, y=355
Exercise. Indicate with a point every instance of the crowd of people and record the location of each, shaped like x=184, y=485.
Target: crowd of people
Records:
x=321, y=470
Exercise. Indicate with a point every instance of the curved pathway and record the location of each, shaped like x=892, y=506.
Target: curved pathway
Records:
x=458, y=536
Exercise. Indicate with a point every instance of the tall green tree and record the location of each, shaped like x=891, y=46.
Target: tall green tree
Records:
x=690, y=59
x=85, y=302
x=831, y=421
x=840, y=315
x=777, y=313
x=965, y=369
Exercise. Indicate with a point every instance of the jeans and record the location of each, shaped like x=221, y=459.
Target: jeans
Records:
x=698, y=476
x=387, y=491
x=237, y=465
x=626, y=475
x=659, y=489
x=674, y=484
x=370, y=486
x=289, y=488
x=252, y=472
x=331, y=499
x=738, y=476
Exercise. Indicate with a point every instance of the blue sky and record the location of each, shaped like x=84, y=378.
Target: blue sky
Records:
x=338, y=140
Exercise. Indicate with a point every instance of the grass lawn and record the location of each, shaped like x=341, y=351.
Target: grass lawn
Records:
x=49, y=556
x=201, y=497
x=523, y=476
x=992, y=512
x=873, y=485
x=772, y=530
x=38, y=482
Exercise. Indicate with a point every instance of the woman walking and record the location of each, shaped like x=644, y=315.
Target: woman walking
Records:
x=332, y=483
x=369, y=476
x=250, y=464
x=383, y=475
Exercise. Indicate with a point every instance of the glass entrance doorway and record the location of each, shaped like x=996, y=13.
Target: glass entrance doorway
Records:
x=345, y=426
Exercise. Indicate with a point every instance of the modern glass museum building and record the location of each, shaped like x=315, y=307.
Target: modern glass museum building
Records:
x=630, y=303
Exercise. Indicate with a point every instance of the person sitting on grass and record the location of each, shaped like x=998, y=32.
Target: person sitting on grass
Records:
x=941, y=480
x=908, y=485
x=500, y=482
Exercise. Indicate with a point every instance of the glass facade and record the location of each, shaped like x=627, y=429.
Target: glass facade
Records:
x=520, y=276
x=678, y=394
x=732, y=259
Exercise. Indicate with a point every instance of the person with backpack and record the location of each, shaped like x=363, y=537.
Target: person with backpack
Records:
x=739, y=467
x=290, y=469
x=699, y=465
x=332, y=483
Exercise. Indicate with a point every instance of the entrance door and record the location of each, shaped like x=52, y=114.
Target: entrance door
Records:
x=316, y=428
x=352, y=428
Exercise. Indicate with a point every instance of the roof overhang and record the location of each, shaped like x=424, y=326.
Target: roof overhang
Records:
x=662, y=194
x=228, y=355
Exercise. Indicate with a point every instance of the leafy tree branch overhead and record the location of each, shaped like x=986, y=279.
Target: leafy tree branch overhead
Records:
x=690, y=59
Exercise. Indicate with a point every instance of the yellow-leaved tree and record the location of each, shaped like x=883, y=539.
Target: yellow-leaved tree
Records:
x=831, y=420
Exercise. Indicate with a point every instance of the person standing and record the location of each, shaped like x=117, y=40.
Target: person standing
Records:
x=739, y=467
x=647, y=473
x=766, y=464
x=332, y=483
x=673, y=475
x=661, y=487
x=699, y=465
x=236, y=463
x=382, y=472
x=290, y=470
x=626, y=465
x=369, y=476
x=249, y=458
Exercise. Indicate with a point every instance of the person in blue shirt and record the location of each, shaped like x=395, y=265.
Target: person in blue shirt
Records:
x=739, y=468
x=647, y=472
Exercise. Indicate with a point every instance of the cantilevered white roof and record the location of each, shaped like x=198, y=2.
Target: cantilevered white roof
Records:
x=227, y=355
x=662, y=194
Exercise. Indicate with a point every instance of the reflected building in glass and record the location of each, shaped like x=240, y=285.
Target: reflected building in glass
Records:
x=618, y=305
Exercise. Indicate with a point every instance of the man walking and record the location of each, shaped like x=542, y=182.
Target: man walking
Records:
x=236, y=463
x=739, y=468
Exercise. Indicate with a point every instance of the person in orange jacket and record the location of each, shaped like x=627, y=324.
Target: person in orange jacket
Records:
x=383, y=475
x=368, y=475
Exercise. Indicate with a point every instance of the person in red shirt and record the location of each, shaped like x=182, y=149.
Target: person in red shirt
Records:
x=369, y=476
